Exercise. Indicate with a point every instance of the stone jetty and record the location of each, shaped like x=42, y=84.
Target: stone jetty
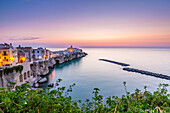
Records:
x=138, y=70
x=147, y=73
x=118, y=63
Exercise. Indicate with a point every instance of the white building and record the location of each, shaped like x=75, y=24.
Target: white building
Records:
x=39, y=54
x=28, y=50
x=58, y=53
x=74, y=50
x=23, y=56
x=65, y=52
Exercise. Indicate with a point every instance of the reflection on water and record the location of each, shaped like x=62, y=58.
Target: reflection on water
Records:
x=88, y=72
x=60, y=68
x=75, y=62
x=51, y=75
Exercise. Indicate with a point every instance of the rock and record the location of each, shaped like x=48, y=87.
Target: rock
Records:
x=42, y=80
x=51, y=85
x=36, y=85
x=40, y=67
x=51, y=63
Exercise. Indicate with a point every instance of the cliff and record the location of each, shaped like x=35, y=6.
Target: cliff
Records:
x=33, y=70
x=51, y=63
x=40, y=67
x=15, y=75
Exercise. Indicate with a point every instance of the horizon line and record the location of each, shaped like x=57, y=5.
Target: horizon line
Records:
x=25, y=45
x=113, y=47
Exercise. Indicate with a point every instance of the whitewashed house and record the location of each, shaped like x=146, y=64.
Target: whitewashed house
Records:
x=39, y=54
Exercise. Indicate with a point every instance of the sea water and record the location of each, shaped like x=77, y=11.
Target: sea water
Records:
x=89, y=73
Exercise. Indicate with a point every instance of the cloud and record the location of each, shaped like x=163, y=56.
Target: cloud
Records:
x=25, y=38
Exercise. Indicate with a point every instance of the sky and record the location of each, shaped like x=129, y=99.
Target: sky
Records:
x=85, y=23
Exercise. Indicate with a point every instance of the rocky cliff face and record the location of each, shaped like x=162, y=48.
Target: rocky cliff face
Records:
x=40, y=68
x=32, y=70
x=11, y=77
x=43, y=67
x=51, y=63
x=35, y=68
x=17, y=77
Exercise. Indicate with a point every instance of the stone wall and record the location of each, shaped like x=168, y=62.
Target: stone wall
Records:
x=1, y=80
x=59, y=60
x=17, y=77
x=30, y=71
x=40, y=67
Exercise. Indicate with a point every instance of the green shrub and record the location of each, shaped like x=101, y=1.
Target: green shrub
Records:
x=25, y=99
x=18, y=68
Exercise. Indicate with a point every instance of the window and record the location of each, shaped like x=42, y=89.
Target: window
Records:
x=33, y=56
x=21, y=78
x=25, y=76
x=4, y=52
x=28, y=73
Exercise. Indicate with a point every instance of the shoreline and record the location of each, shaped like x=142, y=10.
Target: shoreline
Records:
x=35, y=70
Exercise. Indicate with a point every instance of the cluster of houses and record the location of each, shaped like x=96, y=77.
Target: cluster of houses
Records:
x=10, y=55
x=69, y=51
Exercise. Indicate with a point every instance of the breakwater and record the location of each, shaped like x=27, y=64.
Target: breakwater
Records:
x=118, y=63
x=147, y=73
x=138, y=70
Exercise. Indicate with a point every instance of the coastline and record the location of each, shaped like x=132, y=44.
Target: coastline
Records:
x=32, y=71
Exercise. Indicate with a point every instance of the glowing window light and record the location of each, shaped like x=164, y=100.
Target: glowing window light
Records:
x=45, y=56
x=12, y=58
x=23, y=59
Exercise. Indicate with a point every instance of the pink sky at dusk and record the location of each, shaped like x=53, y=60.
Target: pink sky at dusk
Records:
x=133, y=26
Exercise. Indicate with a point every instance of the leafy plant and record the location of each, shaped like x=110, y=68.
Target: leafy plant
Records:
x=26, y=99
x=18, y=68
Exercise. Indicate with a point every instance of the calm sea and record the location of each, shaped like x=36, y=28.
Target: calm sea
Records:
x=88, y=72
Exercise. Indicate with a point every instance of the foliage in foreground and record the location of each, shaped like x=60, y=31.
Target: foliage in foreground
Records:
x=25, y=99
